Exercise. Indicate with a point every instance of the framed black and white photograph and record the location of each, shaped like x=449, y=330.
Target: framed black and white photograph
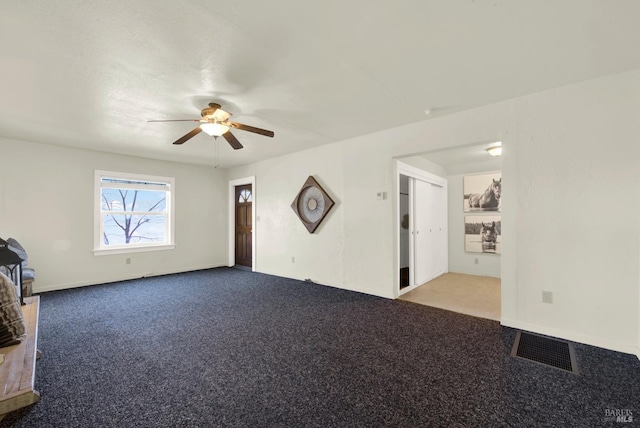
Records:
x=483, y=234
x=482, y=192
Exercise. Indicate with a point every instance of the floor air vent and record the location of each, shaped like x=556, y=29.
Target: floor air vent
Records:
x=544, y=350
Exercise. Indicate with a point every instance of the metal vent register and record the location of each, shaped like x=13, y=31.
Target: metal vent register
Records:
x=544, y=350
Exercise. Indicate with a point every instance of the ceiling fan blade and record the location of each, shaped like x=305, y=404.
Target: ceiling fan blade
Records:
x=175, y=120
x=232, y=140
x=251, y=129
x=191, y=134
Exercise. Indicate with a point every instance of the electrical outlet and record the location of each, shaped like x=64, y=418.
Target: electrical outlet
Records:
x=547, y=297
x=293, y=259
x=476, y=261
x=127, y=261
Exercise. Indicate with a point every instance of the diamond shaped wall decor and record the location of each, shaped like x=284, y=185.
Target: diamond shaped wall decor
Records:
x=312, y=204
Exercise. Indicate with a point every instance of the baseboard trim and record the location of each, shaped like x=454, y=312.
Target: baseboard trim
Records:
x=319, y=281
x=117, y=278
x=573, y=336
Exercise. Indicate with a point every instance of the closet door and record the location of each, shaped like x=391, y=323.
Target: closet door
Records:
x=425, y=258
x=440, y=234
x=428, y=239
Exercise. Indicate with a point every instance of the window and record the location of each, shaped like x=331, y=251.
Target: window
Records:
x=133, y=212
x=245, y=196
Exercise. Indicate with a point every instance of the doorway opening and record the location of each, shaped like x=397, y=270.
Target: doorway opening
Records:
x=471, y=280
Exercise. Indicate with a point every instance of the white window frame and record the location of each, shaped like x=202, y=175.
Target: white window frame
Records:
x=98, y=244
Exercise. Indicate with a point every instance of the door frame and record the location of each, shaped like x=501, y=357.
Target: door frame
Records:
x=232, y=219
x=402, y=168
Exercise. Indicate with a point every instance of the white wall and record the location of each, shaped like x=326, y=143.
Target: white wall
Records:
x=279, y=234
x=47, y=202
x=459, y=260
x=571, y=163
x=576, y=170
x=356, y=247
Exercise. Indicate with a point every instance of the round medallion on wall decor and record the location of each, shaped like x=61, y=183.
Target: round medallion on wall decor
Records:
x=311, y=204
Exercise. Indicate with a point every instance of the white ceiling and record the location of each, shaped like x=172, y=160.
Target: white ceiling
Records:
x=90, y=73
x=468, y=158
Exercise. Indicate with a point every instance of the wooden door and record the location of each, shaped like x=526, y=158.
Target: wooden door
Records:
x=244, y=225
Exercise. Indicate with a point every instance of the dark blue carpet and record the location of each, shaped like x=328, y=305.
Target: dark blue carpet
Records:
x=230, y=348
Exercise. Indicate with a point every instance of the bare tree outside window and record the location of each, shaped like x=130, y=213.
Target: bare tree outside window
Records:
x=133, y=211
x=131, y=216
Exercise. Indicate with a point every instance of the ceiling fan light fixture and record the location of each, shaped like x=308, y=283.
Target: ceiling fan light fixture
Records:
x=214, y=122
x=214, y=129
x=495, y=150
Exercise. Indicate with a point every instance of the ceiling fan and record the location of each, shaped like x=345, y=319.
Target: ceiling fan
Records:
x=216, y=123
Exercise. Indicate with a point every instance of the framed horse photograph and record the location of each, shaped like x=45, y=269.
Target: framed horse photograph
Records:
x=483, y=234
x=482, y=192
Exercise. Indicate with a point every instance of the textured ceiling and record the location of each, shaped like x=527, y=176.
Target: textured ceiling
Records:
x=90, y=73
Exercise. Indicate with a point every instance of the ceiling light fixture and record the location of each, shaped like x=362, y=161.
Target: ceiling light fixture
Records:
x=214, y=129
x=495, y=150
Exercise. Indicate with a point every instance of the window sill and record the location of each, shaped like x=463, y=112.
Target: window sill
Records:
x=124, y=250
